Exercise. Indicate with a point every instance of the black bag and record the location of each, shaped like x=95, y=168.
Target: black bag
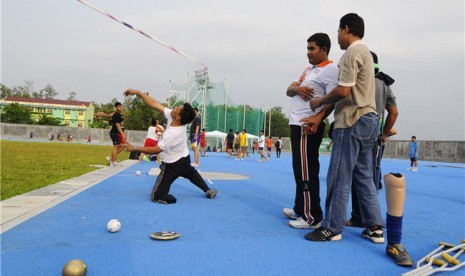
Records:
x=276, y=144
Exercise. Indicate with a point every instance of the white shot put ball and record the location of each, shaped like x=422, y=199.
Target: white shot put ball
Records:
x=137, y=172
x=114, y=225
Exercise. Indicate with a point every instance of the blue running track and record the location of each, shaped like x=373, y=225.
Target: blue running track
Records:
x=240, y=232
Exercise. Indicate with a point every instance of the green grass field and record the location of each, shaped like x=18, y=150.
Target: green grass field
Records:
x=26, y=166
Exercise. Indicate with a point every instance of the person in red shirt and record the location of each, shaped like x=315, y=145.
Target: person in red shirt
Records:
x=203, y=143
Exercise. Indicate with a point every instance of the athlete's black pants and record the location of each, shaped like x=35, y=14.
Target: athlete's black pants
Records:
x=169, y=172
x=306, y=166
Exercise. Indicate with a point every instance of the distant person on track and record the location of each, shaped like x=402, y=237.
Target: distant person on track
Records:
x=117, y=134
x=261, y=145
x=152, y=138
x=413, y=154
x=195, y=137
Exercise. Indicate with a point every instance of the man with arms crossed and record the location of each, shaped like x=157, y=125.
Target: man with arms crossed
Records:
x=317, y=80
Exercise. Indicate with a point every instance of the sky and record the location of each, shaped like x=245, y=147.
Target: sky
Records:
x=258, y=46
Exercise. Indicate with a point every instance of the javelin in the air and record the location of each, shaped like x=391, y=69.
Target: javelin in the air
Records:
x=143, y=33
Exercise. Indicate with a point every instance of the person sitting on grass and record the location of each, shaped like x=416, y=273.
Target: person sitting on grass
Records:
x=173, y=150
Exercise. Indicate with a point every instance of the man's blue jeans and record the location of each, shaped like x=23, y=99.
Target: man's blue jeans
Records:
x=352, y=161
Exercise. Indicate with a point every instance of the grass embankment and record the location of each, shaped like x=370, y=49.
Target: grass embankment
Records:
x=26, y=166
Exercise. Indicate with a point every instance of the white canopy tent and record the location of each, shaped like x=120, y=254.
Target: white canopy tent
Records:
x=216, y=136
x=251, y=138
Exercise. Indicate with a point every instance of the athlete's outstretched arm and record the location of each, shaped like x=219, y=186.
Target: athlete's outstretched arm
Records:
x=149, y=101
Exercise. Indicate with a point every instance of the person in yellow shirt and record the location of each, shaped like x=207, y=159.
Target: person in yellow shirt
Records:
x=243, y=144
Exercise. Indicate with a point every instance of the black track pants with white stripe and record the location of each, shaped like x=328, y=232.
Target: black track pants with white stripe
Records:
x=306, y=166
x=169, y=172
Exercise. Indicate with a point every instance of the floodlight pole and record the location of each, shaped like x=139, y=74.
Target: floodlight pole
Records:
x=264, y=120
x=243, y=119
x=225, y=102
x=269, y=125
x=218, y=120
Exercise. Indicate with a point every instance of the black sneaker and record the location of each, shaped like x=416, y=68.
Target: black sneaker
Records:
x=159, y=201
x=165, y=199
x=211, y=193
x=398, y=253
x=375, y=235
x=322, y=234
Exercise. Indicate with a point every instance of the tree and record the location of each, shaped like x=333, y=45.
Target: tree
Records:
x=5, y=91
x=44, y=119
x=72, y=96
x=137, y=115
x=279, y=122
x=99, y=123
x=48, y=92
x=105, y=108
x=24, y=91
x=16, y=114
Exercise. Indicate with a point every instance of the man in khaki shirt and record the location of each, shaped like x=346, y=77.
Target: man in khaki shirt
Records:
x=354, y=135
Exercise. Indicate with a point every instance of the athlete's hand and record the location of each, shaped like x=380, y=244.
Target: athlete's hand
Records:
x=315, y=103
x=130, y=92
x=310, y=125
x=304, y=92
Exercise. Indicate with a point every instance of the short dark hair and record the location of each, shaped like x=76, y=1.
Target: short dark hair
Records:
x=355, y=24
x=203, y=129
x=117, y=104
x=196, y=109
x=414, y=137
x=154, y=121
x=187, y=114
x=322, y=40
x=230, y=130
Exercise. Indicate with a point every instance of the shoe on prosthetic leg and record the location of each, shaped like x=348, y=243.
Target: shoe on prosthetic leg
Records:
x=395, y=199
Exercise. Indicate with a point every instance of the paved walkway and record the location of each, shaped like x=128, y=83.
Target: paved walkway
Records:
x=20, y=208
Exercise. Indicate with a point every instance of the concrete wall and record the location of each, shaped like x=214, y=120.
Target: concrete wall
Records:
x=444, y=151
x=99, y=135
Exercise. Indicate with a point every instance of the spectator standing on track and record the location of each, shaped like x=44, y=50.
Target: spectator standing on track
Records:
x=307, y=128
x=413, y=154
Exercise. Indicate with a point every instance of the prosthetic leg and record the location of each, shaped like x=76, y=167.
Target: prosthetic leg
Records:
x=395, y=199
x=395, y=193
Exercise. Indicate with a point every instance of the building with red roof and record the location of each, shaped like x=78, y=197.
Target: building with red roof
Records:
x=70, y=113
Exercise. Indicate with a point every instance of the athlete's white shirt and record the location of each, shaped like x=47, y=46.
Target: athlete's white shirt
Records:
x=323, y=80
x=261, y=141
x=152, y=133
x=174, y=142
